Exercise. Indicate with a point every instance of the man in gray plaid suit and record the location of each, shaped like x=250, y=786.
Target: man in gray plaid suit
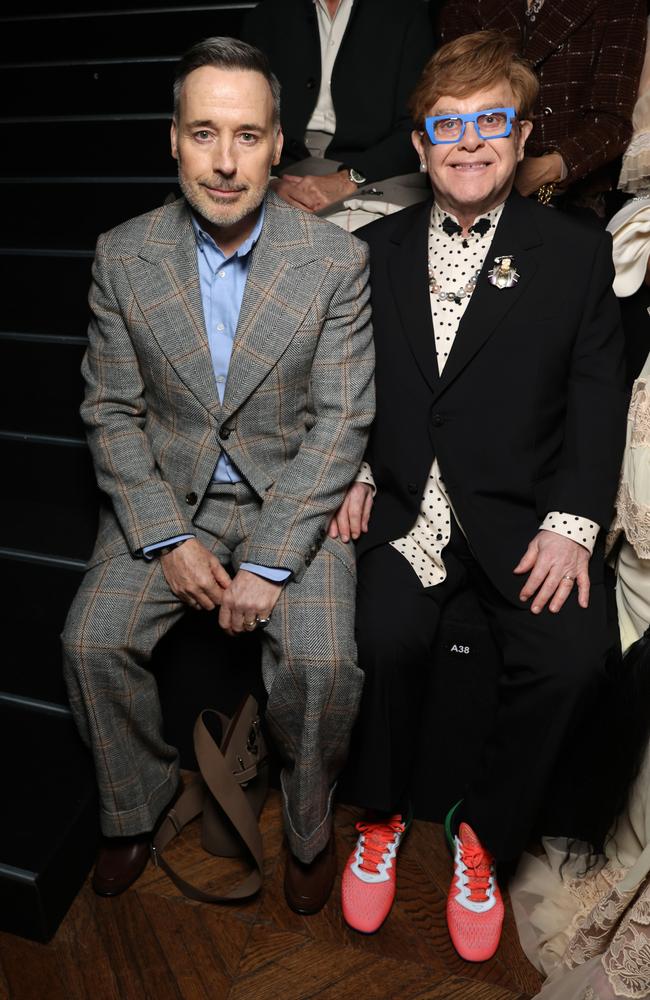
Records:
x=229, y=392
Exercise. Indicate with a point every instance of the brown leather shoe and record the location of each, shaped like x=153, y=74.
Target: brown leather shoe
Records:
x=307, y=887
x=121, y=860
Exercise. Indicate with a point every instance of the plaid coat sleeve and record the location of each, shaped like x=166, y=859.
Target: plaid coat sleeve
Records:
x=297, y=507
x=114, y=412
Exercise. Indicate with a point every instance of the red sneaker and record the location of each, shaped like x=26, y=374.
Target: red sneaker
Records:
x=474, y=903
x=368, y=887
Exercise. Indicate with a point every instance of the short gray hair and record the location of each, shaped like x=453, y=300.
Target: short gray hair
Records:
x=226, y=53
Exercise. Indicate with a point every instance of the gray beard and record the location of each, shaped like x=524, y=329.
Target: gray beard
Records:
x=216, y=216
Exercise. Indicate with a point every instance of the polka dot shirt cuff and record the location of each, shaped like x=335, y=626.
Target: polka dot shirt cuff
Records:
x=364, y=475
x=578, y=529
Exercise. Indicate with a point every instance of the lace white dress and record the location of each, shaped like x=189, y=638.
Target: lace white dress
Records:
x=633, y=518
x=590, y=933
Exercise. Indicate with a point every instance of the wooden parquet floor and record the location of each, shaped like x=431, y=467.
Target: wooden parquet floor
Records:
x=153, y=944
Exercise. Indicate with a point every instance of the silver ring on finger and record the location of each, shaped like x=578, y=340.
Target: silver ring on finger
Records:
x=568, y=579
x=262, y=622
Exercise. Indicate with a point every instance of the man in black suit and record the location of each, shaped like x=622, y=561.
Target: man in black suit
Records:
x=347, y=69
x=495, y=454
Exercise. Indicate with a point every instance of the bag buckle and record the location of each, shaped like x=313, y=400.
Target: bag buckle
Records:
x=253, y=735
x=242, y=764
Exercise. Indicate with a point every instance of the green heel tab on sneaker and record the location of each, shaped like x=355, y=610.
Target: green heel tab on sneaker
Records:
x=449, y=820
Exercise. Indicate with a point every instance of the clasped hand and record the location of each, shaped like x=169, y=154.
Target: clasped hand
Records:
x=555, y=564
x=199, y=580
x=353, y=515
x=312, y=193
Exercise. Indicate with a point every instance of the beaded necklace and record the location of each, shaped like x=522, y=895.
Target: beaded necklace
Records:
x=463, y=291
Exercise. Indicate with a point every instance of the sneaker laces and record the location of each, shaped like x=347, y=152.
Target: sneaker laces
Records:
x=477, y=870
x=377, y=837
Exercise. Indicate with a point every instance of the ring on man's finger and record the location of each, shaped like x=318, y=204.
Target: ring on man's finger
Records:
x=250, y=626
x=262, y=622
x=569, y=579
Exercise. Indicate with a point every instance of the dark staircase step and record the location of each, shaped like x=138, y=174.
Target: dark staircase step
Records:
x=48, y=838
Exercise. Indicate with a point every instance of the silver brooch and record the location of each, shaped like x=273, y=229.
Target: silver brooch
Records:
x=504, y=274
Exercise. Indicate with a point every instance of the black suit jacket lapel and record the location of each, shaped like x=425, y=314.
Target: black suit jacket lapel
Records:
x=516, y=236
x=408, y=277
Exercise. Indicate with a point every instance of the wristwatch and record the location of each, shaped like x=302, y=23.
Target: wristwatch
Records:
x=353, y=175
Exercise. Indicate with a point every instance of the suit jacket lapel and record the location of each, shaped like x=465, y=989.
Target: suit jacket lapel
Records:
x=275, y=300
x=408, y=276
x=165, y=281
x=516, y=237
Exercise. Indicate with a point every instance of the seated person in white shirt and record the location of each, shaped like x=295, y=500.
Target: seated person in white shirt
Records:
x=347, y=69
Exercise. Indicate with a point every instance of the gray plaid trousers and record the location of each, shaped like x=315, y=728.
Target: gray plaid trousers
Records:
x=124, y=607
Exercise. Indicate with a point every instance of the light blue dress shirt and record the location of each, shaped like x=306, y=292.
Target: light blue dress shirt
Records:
x=222, y=282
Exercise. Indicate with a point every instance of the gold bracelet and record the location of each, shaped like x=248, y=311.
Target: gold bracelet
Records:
x=545, y=193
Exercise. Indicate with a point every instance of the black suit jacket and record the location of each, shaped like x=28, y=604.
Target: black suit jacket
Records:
x=383, y=51
x=529, y=414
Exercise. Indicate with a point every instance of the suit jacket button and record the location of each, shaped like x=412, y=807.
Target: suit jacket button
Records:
x=548, y=111
x=224, y=433
x=311, y=83
x=412, y=487
x=191, y=498
x=438, y=420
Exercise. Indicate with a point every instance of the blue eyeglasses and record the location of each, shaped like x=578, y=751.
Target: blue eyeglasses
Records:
x=496, y=123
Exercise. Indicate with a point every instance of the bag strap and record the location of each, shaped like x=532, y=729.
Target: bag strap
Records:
x=228, y=793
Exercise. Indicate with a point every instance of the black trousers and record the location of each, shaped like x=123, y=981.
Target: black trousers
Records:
x=552, y=666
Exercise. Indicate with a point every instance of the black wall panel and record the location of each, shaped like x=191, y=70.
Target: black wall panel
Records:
x=90, y=88
x=36, y=598
x=117, y=147
x=44, y=293
x=75, y=212
x=41, y=386
x=120, y=34
x=49, y=503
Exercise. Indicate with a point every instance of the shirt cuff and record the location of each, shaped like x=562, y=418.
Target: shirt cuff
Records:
x=364, y=475
x=267, y=572
x=578, y=529
x=149, y=550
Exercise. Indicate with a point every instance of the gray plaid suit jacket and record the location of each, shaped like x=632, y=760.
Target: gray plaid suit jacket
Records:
x=299, y=397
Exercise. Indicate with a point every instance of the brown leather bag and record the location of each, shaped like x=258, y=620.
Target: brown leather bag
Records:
x=229, y=790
